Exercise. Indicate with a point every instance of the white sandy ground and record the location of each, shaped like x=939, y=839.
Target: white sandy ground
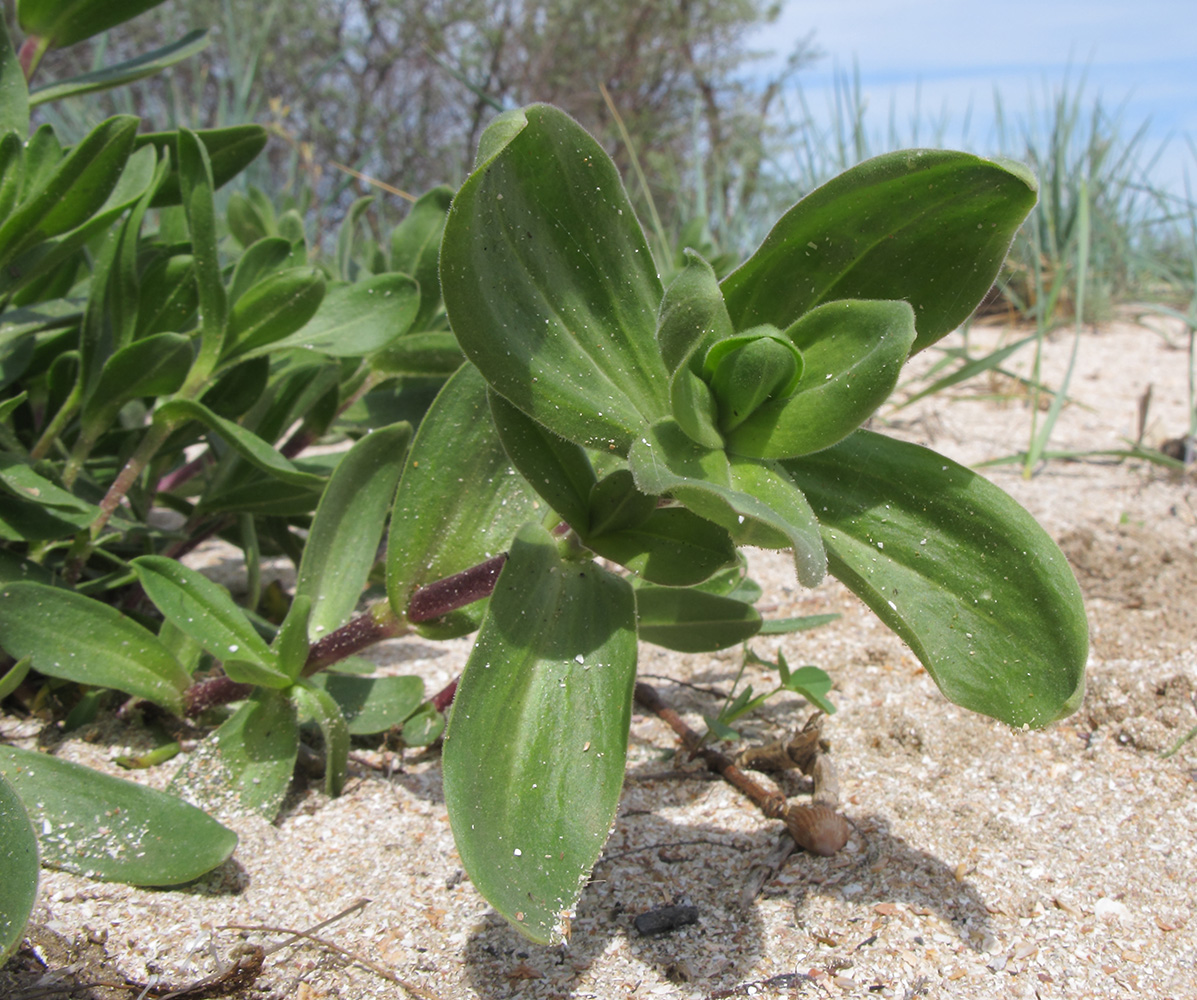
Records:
x=985, y=862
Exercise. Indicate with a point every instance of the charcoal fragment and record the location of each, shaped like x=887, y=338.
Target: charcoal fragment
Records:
x=666, y=918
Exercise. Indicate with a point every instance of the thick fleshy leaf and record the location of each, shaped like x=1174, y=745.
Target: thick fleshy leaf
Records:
x=14, y=93
x=247, y=444
x=958, y=570
x=204, y=610
x=550, y=285
x=756, y=502
x=672, y=547
x=746, y=370
x=196, y=197
x=137, y=68
x=260, y=259
x=12, y=163
x=416, y=247
x=73, y=191
x=615, y=504
x=346, y=267
x=153, y=366
x=230, y=150
x=18, y=478
x=557, y=469
x=372, y=704
x=291, y=645
x=65, y=22
x=433, y=353
x=343, y=541
x=246, y=765
x=18, y=866
x=459, y=501
x=931, y=227
x=53, y=258
x=320, y=707
x=361, y=318
x=853, y=352
x=78, y=639
x=692, y=621
x=168, y=297
x=536, y=743
x=274, y=308
x=107, y=828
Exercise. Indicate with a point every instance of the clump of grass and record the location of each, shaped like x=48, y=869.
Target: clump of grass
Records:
x=1086, y=163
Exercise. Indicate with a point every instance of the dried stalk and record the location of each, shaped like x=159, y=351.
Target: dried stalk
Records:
x=817, y=828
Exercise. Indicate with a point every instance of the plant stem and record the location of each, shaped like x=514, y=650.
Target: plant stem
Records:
x=65, y=412
x=442, y=596
x=155, y=436
x=153, y=440
x=373, y=626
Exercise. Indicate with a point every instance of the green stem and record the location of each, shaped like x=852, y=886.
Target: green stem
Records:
x=54, y=428
x=81, y=550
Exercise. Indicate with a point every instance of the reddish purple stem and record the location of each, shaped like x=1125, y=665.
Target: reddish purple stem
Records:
x=433, y=601
x=442, y=596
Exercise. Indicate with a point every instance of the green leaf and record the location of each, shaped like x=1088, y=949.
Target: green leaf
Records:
x=433, y=353
x=230, y=150
x=784, y=626
x=343, y=540
x=107, y=828
x=358, y=319
x=18, y=867
x=550, y=285
x=204, y=610
x=423, y=728
x=812, y=684
x=12, y=162
x=73, y=191
x=416, y=247
x=958, y=570
x=146, y=64
x=320, y=707
x=246, y=765
x=615, y=505
x=260, y=259
x=168, y=297
x=673, y=548
x=11, y=679
x=247, y=444
x=746, y=370
x=345, y=237
x=195, y=185
x=65, y=22
x=931, y=227
x=756, y=502
x=691, y=621
x=438, y=525
x=853, y=353
x=153, y=366
x=535, y=749
x=14, y=101
x=274, y=308
x=372, y=704
x=18, y=477
x=557, y=469
x=290, y=645
x=50, y=259
x=78, y=639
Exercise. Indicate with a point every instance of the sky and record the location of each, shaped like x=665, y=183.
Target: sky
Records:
x=949, y=56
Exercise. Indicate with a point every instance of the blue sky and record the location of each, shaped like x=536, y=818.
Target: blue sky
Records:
x=1139, y=57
